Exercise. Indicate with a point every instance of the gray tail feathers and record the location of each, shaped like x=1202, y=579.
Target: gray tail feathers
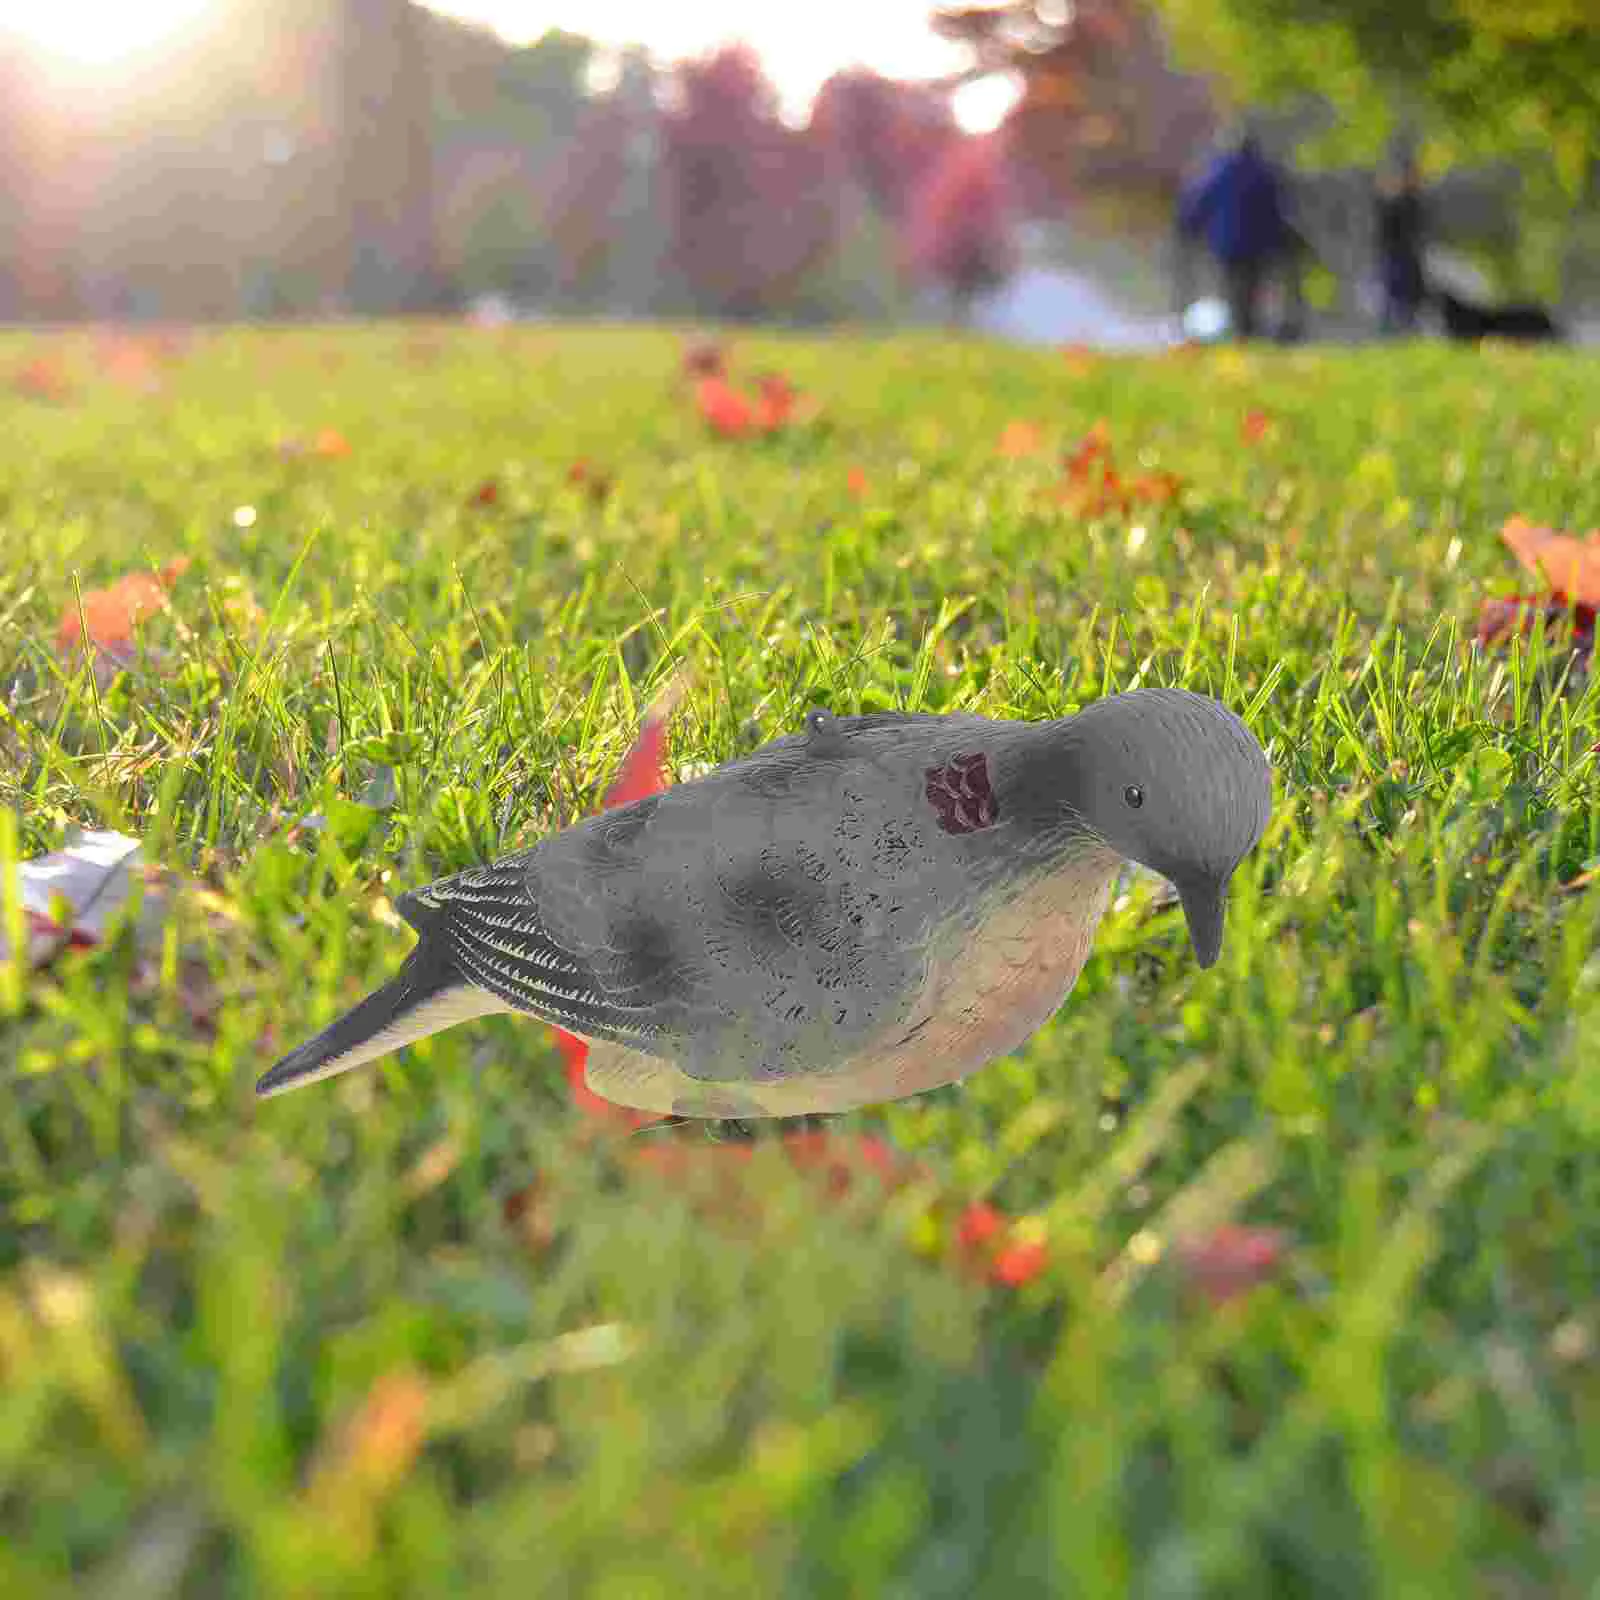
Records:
x=425, y=996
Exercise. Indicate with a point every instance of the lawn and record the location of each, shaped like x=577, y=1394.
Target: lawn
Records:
x=435, y=1328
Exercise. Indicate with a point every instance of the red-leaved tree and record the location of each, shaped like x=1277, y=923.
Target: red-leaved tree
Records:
x=959, y=227
x=749, y=209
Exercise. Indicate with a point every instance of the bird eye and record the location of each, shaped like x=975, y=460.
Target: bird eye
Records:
x=1134, y=795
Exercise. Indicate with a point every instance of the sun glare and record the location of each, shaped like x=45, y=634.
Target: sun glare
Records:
x=98, y=33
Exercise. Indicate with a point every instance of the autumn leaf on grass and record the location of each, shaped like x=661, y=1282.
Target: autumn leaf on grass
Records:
x=856, y=483
x=733, y=414
x=1156, y=488
x=704, y=358
x=777, y=402
x=584, y=474
x=131, y=363
x=1004, y=1251
x=1255, y=426
x=1570, y=565
x=43, y=378
x=326, y=442
x=1020, y=439
x=362, y=1461
x=643, y=771
x=111, y=614
x=486, y=494
x=723, y=407
x=1079, y=359
x=1093, y=448
x=1230, y=1260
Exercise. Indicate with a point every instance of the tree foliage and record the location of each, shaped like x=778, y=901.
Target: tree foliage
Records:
x=1102, y=109
x=1514, y=77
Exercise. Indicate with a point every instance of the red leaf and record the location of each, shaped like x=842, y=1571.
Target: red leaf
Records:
x=43, y=378
x=486, y=494
x=1523, y=613
x=1255, y=426
x=979, y=1225
x=1020, y=439
x=722, y=406
x=1020, y=1262
x=1570, y=565
x=112, y=613
x=584, y=474
x=642, y=772
x=775, y=407
x=1230, y=1260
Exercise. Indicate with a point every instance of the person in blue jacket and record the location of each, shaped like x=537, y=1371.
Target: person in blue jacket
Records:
x=1238, y=206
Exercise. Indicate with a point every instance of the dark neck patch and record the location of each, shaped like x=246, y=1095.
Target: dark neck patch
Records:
x=961, y=794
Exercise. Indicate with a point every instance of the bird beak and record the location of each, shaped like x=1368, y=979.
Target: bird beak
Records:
x=1204, y=900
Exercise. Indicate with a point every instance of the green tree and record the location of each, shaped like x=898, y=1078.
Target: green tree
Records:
x=1489, y=77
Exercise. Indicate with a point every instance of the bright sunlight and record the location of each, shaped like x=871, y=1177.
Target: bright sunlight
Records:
x=98, y=32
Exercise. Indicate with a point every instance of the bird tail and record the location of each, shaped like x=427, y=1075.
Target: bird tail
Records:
x=426, y=995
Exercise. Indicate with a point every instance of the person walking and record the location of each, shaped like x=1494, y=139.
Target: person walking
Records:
x=1238, y=206
x=1400, y=219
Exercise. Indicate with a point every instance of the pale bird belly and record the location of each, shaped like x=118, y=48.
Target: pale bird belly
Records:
x=988, y=990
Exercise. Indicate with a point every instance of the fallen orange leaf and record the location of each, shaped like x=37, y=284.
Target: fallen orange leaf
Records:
x=723, y=407
x=330, y=442
x=1570, y=565
x=43, y=378
x=1020, y=439
x=112, y=613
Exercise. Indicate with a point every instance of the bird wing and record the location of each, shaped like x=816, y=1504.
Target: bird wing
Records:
x=765, y=920
x=539, y=930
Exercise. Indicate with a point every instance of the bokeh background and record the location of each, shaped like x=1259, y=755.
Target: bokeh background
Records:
x=1013, y=165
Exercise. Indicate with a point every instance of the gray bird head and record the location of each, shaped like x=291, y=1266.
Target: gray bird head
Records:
x=1174, y=781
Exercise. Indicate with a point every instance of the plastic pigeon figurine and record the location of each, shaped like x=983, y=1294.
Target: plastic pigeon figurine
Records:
x=859, y=912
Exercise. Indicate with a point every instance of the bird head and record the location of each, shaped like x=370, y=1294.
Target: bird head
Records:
x=1176, y=782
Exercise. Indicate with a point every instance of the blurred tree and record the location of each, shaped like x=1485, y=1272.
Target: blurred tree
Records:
x=749, y=211
x=386, y=149
x=888, y=135
x=1102, y=111
x=40, y=176
x=1495, y=76
x=958, y=232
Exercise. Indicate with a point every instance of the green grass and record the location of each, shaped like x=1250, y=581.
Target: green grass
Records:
x=1397, y=1060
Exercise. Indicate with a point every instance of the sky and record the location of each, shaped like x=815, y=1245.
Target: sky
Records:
x=800, y=44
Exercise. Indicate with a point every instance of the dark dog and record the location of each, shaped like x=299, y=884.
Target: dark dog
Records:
x=1463, y=320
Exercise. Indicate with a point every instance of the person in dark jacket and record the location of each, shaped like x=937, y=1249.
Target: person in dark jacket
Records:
x=1401, y=223
x=1238, y=205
